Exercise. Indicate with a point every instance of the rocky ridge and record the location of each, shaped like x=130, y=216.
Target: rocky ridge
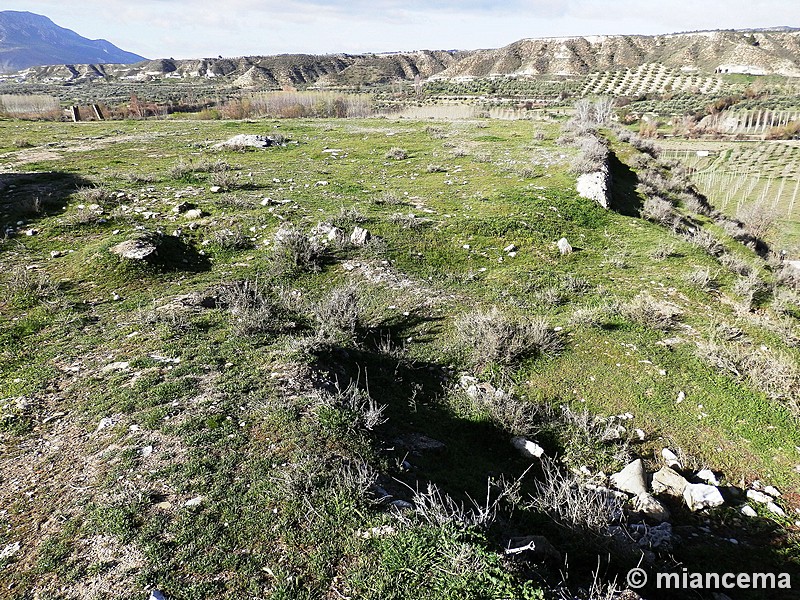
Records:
x=757, y=52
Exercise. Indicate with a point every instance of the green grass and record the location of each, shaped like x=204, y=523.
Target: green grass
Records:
x=206, y=408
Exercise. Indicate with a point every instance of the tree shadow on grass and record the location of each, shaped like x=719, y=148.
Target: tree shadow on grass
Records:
x=472, y=451
x=31, y=196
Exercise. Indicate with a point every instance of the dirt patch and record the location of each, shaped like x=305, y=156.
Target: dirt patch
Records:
x=53, y=153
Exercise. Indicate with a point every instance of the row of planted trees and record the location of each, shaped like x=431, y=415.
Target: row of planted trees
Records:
x=283, y=104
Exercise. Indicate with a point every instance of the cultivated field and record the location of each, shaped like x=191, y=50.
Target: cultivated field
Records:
x=737, y=176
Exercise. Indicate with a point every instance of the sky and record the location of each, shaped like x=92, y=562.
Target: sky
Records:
x=207, y=28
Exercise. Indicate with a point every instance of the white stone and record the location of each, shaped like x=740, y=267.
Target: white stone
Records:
x=527, y=448
x=510, y=248
x=759, y=497
x=135, y=249
x=772, y=491
x=9, y=550
x=564, y=246
x=749, y=511
x=650, y=507
x=360, y=236
x=775, y=509
x=196, y=501
x=104, y=423
x=595, y=186
x=699, y=496
x=670, y=458
x=708, y=476
x=667, y=481
x=631, y=479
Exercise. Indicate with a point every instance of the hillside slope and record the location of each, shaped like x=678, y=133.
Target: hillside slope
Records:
x=303, y=371
x=763, y=52
x=757, y=52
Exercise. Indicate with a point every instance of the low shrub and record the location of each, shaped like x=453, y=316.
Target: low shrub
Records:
x=493, y=336
x=338, y=315
x=396, y=154
x=294, y=251
x=650, y=312
x=252, y=308
x=658, y=210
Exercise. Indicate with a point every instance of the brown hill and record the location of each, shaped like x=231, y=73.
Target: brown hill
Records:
x=756, y=52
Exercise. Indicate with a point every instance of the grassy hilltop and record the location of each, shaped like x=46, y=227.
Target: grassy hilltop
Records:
x=226, y=418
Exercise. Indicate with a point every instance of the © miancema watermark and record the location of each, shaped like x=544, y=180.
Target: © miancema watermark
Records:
x=686, y=580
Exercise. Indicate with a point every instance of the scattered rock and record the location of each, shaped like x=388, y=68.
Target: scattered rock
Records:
x=510, y=248
x=244, y=140
x=183, y=207
x=214, y=189
x=631, y=479
x=360, y=236
x=775, y=509
x=655, y=538
x=188, y=301
x=700, y=495
x=759, y=497
x=772, y=491
x=156, y=595
x=564, y=246
x=749, y=511
x=527, y=448
x=196, y=501
x=9, y=550
x=538, y=546
x=669, y=482
x=645, y=537
x=136, y=249
x=708, y=476
x=671, y=459
x=650, y=507
x=377, y=532
x=116, y=366
x=104, y=423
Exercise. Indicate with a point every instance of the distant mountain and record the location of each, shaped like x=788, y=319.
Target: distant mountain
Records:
x=28, y=40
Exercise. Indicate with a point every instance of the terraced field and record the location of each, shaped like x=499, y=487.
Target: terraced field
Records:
x=735, y=175
x=649, y=79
